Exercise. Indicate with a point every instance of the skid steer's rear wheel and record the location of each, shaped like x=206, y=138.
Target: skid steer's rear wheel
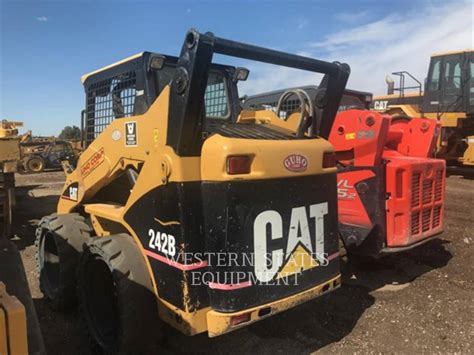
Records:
x=59, y=242
x=117, y=303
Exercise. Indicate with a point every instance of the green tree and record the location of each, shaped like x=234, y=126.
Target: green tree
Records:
x=69, y=132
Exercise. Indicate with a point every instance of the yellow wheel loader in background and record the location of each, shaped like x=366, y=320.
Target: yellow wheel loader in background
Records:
x=9, y=158
x=178, y=211
x=19, y=329
x=448, y=97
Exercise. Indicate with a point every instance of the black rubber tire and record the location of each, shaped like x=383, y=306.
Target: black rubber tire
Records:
x=118, y=307
x=35, y=164
x=351, y=254
x=342, y=250
x=59, y=244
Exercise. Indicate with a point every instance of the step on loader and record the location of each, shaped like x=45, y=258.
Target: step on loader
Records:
x=390, y=188
x=176, y=208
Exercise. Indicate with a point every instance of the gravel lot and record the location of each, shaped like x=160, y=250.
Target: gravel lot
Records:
x=418, y=301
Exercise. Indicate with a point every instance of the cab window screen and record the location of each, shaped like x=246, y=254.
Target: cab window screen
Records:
x=107, y=100
x=215, y=97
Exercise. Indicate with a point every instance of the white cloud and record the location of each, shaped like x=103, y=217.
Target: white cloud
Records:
x=375, y=49
x=302, y=23
x=352, y=17
x=42, y=19
x=267, y=78
x=384, y=30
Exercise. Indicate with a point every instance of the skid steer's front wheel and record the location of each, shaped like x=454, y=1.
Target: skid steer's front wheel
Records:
x=117, y=302
x=59, y=243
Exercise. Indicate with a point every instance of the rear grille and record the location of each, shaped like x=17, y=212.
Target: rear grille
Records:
x=427, y=191
x=425, y=223
x=426, y=202
x=415, y=222
x=436, y=216
x=415, y=190
x=438, y=185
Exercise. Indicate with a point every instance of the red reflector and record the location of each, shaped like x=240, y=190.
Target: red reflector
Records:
x=329, y=160
x=239, y=319
x=238, y=164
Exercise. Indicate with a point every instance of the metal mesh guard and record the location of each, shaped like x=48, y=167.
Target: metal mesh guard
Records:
x=107, y=100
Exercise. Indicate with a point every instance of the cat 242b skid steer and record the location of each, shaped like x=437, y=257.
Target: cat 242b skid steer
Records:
x=177, y=208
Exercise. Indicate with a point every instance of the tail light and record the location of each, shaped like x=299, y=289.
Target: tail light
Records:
x=329, y=160
x=238, y=164
x=239, y=319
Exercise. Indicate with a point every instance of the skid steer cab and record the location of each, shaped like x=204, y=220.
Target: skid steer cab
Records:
x=390, y=188
x=177, y=207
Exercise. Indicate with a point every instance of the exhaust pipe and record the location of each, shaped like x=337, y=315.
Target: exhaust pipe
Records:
x=390, y=85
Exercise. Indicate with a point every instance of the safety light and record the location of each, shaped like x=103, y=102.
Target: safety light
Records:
x=329, y=160
x=240, y=74
x=238, y=164
x=157, y=62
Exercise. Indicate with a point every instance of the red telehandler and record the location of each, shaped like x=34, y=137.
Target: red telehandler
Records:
x=390, y=188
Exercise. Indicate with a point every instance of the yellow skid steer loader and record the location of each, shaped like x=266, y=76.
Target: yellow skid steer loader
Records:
x=176, y=211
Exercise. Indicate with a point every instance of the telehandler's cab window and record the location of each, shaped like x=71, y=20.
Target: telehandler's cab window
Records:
x=58, y=148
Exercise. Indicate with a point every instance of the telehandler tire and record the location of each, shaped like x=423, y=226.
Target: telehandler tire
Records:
x=59, y=244
x=350, y=255
x=35, y=164
x=117, y=303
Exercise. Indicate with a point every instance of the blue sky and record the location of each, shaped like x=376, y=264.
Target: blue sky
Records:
x=47, y=46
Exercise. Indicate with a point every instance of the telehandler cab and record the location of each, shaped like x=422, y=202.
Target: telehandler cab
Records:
x=171, y=184
x=390, y=188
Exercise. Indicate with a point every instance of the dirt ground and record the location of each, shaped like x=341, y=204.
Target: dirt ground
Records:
x=418, y=301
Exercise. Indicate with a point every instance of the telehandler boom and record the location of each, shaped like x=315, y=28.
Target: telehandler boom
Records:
x=390, y=187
